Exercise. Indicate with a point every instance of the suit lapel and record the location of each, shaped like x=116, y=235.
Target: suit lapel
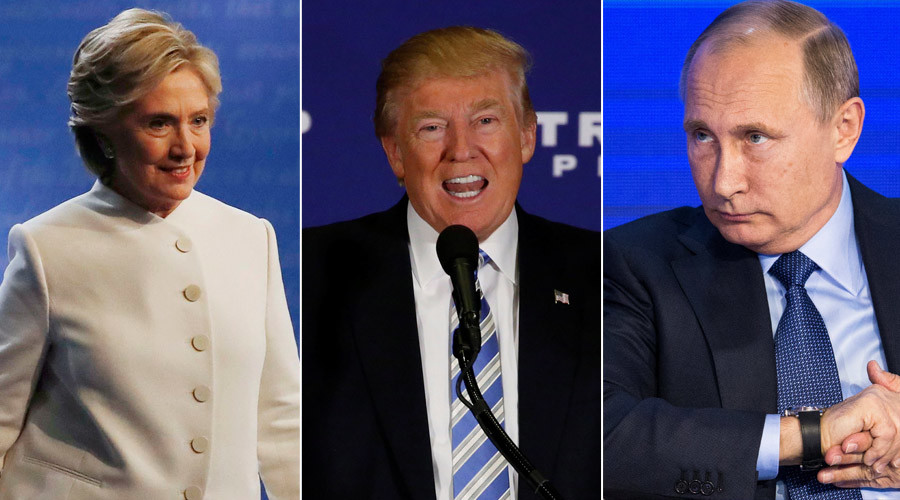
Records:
x=725, y=287
x=549, y=344
x=386, y=334
x=877, y=226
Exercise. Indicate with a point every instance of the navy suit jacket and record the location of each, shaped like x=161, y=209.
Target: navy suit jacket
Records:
x=689, y=351
x=365, y=427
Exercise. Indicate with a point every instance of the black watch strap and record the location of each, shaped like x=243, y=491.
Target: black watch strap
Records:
x=811, y=435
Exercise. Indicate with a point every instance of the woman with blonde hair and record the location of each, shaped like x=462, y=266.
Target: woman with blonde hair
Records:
x=146, y=350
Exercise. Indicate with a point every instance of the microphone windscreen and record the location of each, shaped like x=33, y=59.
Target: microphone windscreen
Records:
x=456, y=242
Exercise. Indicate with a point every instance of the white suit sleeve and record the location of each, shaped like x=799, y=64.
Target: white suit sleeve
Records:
x=279, y=392
x=24, y=330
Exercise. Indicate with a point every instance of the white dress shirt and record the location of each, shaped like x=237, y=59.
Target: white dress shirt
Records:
x=432, y=289
x=840, y=291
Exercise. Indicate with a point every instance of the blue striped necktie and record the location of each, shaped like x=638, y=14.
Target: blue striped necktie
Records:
x=479, y=470
x=804, y=361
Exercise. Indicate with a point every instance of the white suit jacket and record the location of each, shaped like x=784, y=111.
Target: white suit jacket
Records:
x=145, y=357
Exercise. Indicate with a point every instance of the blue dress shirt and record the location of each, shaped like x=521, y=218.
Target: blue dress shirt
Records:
x=840, y=291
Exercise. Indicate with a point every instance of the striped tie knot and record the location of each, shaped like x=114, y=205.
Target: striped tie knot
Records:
x=483, y=258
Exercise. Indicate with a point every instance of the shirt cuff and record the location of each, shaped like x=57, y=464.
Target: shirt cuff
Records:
x=767, y=460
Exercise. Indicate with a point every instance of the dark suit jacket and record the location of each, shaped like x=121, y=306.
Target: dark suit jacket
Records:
x=365, y=428
x=689, y=354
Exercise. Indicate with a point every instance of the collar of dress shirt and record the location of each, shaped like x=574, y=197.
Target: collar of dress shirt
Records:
x=834, y=247
x=501, y=245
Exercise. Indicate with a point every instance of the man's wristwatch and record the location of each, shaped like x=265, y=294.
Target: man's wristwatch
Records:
x=810, y=433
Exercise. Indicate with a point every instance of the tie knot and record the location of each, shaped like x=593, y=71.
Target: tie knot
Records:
x=483, y=258
x=793, y=269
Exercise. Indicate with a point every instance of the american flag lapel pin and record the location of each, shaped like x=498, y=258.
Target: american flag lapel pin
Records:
x=560, y=297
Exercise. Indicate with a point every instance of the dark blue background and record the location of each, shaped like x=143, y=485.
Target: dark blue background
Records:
x=345, y=173
x=254, y=161
x=645, y=161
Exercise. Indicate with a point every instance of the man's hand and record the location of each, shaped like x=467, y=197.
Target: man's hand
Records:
x=882, y=377
x=868, y=458
x=860, y=476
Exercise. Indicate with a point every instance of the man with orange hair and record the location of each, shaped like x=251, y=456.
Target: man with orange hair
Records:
x=380, y=421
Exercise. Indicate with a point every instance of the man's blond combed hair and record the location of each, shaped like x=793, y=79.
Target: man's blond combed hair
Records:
x=830, y=76
x=122, y=61
x=454, y=52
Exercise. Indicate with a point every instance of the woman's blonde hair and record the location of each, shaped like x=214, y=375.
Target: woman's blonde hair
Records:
x=122, y=61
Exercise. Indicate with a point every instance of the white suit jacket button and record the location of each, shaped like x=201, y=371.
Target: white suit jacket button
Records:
x=184, y=244
x=193, y=493
x=192, y=293
x=202, y=393
x=200, y=342
x=200, y=444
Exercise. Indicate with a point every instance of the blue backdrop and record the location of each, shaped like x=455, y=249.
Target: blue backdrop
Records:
x=645, y=160
x=345, y=173
x=254, y=161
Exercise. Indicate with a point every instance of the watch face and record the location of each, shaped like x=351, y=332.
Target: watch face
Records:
x=794, y=411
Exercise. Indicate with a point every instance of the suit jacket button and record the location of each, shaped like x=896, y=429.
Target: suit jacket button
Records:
x=200, y=444
x=192, y=293
x=200, y=342
x=193, y=493
x=184, y=244
x=707, y=488
x=202, y=393
x=681, y=486
x=694, y=486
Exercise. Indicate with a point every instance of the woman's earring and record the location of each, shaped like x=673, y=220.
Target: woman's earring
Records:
x=107, y=149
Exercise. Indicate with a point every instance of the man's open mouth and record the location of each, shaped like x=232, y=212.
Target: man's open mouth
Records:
x=465, y=187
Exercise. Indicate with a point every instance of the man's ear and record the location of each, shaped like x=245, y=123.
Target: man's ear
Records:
x=528, y=140
x=848, y=123
x=394, y=156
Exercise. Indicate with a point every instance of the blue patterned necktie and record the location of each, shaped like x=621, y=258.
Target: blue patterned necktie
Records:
x=804, y=360
x=479, y=470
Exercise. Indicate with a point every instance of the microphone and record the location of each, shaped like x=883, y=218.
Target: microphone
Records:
x=457, y=250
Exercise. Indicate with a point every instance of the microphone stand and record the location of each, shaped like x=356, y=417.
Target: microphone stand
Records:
x=491, y=427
